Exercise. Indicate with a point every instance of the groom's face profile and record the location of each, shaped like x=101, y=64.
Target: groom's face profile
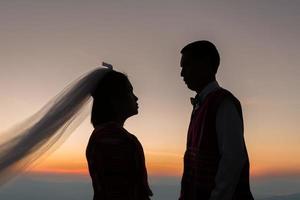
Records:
x=195, y=71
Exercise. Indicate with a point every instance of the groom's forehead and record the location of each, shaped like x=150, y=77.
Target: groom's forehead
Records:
x=186, y=59
x=183, y=60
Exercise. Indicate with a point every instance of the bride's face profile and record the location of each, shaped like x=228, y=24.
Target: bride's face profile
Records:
x=114, y=99
x=126, y=104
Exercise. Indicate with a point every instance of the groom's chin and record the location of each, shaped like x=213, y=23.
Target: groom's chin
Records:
x=190, y=87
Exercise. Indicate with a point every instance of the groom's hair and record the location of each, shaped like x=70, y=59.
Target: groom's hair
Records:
x=203, y=49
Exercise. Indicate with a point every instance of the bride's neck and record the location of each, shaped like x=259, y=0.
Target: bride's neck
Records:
x=120, y=122
x=116, y=122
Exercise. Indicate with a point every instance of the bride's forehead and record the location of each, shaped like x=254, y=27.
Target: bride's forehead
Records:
x=130, y=87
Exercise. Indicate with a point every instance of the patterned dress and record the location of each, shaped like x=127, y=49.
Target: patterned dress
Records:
x=116, y=164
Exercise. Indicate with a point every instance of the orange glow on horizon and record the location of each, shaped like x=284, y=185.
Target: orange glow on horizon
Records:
x=153, y=171
x=59, y=171
x=158, y=164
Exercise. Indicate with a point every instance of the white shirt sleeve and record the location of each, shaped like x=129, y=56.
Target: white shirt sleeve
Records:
x=229, y=128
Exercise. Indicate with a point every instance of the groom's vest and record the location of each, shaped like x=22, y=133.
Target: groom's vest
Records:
x=202, y=156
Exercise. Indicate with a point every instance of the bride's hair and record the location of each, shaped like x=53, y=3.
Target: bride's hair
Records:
x=50, y=126
x=113, y=86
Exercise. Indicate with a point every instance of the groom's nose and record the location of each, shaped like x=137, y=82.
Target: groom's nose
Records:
x=182, y=72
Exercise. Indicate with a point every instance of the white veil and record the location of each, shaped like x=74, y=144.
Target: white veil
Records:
x=49, y=127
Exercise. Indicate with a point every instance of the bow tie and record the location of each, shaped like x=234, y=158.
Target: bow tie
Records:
x=195, y=101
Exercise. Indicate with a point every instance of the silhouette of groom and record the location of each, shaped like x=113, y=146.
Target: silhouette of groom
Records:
x=216, y=164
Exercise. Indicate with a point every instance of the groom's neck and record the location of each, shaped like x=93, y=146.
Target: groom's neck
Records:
x=203, y=85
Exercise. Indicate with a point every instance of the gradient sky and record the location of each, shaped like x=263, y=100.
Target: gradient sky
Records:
x=47, y=44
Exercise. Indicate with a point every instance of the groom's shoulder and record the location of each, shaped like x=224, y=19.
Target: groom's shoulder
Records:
x=228, y=95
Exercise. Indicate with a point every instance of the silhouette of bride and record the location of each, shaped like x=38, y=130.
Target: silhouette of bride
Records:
x=115, y=157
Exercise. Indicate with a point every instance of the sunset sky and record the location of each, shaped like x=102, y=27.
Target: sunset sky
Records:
x=47, y=44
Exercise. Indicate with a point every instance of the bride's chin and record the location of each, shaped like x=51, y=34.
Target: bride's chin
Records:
x=134, y=113
x=137, y=112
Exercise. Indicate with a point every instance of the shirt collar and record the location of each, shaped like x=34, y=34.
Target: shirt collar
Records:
x=210, y=87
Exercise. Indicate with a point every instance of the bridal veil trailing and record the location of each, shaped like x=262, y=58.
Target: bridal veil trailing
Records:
x=45, y=130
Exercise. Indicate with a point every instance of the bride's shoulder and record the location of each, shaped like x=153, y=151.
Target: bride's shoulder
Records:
x=134, y=138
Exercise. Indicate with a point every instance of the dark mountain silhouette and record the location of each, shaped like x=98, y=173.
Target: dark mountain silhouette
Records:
x=284, y=197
